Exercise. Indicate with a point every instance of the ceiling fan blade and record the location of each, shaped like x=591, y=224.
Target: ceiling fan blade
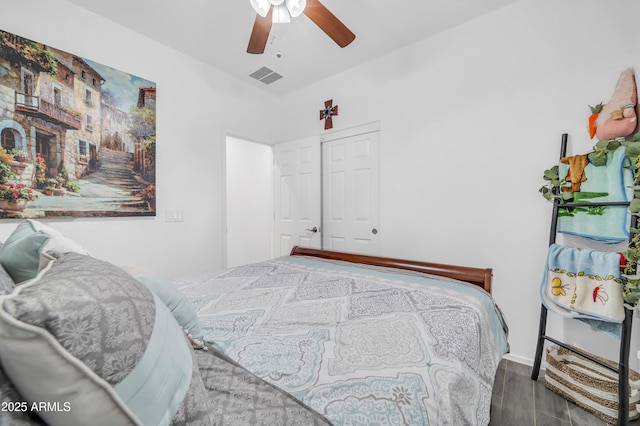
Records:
x=260, y=33
x=327, y=21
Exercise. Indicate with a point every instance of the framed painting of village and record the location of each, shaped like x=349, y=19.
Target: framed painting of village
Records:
x=77, y=138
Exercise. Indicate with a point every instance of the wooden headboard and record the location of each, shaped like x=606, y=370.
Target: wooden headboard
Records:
x=477, y=276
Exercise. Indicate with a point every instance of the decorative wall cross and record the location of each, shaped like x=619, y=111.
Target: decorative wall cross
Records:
x=328, y=112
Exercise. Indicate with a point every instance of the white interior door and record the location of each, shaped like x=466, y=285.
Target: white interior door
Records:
x=350, y=193
x=297, y=195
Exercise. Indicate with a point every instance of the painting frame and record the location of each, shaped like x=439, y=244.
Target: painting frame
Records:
x=77, y=138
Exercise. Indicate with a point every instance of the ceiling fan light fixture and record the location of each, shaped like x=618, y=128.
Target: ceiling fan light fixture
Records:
x=296, y=7
x=280, y=15
x=283, y=10
x=261, y=6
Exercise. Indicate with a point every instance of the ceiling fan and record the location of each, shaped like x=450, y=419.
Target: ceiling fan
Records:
x=276, y=11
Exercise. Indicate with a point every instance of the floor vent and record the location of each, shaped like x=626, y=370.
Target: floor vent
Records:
x=265, y=75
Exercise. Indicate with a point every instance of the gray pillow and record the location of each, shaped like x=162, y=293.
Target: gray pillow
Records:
x=6, y=283
x=86, y=334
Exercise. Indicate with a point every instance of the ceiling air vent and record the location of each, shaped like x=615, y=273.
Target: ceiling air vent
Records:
x=265, y=75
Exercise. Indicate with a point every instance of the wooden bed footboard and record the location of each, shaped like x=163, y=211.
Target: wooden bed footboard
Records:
x=480, y=277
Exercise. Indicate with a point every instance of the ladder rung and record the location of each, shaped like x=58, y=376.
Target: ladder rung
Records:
x=582, y=353
x=601, y=204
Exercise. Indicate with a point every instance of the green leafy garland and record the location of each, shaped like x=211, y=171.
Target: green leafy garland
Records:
x=552, y=190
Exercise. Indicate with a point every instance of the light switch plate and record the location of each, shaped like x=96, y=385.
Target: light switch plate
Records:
x=175, y=216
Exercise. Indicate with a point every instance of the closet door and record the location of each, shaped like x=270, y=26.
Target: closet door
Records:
x=351, y=187
x=297, y=194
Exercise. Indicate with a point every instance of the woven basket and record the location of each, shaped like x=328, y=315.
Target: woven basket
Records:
x=588, y=384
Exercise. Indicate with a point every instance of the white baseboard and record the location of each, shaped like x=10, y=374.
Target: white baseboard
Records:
x=523, y=360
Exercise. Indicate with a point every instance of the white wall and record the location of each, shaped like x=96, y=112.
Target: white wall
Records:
x=249, y=200
x=470, y=119
x=197, y=106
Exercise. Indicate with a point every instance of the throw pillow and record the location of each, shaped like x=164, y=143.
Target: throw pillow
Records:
x=86, y=336
x=29, y=249
x=179, y=305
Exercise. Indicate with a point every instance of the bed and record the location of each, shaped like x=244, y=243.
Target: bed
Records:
x=360, y=339
x=314, y=338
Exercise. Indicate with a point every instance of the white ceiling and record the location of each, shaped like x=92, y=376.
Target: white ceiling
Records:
x=217, y=32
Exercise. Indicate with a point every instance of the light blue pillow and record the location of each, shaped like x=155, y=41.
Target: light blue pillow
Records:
x=27, y=250
x=6, y=282
x=179, y=305
x=21, y=255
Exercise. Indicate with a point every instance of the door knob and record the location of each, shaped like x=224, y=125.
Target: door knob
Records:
x=314, y=229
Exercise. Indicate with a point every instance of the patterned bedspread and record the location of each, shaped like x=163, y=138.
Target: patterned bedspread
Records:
x=359, y=345
x=240, y=398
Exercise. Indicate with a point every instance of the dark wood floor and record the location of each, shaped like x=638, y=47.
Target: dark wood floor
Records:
x=519, y=401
